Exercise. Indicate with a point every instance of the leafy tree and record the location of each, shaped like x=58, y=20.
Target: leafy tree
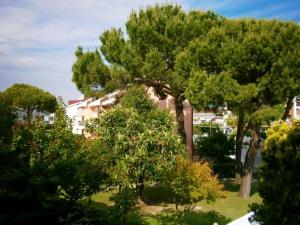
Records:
x=205, y=127
x=217, y=148
x=139, y=144
x=279, y=177
x=153, y=52
x=238, y=75
x=7, y=120
x=28, y=98
x=191, y=183
x=45, y=170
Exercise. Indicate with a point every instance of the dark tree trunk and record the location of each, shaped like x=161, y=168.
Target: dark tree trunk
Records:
x=239, y=145
x=140, y=187
x=180, y=118
x=246, y=178
x=288, y=107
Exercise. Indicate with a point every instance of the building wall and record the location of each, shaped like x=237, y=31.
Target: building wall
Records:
x=296, y=108
x=75, y=114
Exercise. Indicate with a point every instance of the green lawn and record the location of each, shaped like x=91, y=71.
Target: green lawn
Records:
x=160, y=212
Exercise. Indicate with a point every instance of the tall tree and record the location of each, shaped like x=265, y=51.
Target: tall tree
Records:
x=155, y=41
x=27, y=98
x=236, y=66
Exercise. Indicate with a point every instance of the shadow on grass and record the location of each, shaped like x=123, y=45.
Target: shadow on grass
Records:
x=192, y=218
x=232, y=186
x=104, y=214
x=254, y=188
x=154, y=195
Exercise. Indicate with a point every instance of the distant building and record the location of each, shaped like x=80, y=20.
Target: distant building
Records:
x=216, y=118
x=295, y=111
x=48, y=118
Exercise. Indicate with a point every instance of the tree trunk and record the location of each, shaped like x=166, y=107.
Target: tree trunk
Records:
x=180, y=118
x=246, y=178
x=288, y=107
x=140, y=187
x=245, y=188
x=239, y=145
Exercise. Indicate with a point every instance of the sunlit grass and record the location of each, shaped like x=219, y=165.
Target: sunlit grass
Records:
x=221, y=211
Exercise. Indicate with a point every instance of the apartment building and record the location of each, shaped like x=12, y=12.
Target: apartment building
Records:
x=80, y=111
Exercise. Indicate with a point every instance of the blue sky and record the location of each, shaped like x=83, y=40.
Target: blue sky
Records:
x=38, y=38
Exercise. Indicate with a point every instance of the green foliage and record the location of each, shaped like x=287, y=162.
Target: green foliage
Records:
x=239, y=64
x=7, y=120
x=90, y=74
x=29, y=98
x=216, y=148
x=45, y=167
x=139, y=143
x=153, y=53
x=206, y=127
x=136, y=98
x=192, y=182
x=124, y=202
x=243, y=70
x=279, y=177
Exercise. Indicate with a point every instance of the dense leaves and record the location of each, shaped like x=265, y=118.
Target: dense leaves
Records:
x=192, y=182
x=27, y=99
x=279, y=177
x=7, y=120
x=139, y=143
x=152, y=52
x=240, y=65
x=217, y=149
x=44, y=171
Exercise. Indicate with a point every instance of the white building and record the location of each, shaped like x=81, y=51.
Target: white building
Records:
x=49, y=118
x=295, y=112
x=80, y=111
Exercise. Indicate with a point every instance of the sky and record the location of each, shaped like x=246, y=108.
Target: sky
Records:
x=38, y=38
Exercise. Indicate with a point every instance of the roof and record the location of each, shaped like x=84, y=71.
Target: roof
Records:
x=71, y=102
x=85, y=103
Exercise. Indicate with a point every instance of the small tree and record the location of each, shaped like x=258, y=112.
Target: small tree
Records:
x=191, y=183
x=139, y=142
x=279, y=176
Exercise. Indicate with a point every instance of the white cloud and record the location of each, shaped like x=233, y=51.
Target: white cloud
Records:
x=38, y=38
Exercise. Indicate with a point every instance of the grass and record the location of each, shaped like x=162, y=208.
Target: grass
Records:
x=159, y=210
